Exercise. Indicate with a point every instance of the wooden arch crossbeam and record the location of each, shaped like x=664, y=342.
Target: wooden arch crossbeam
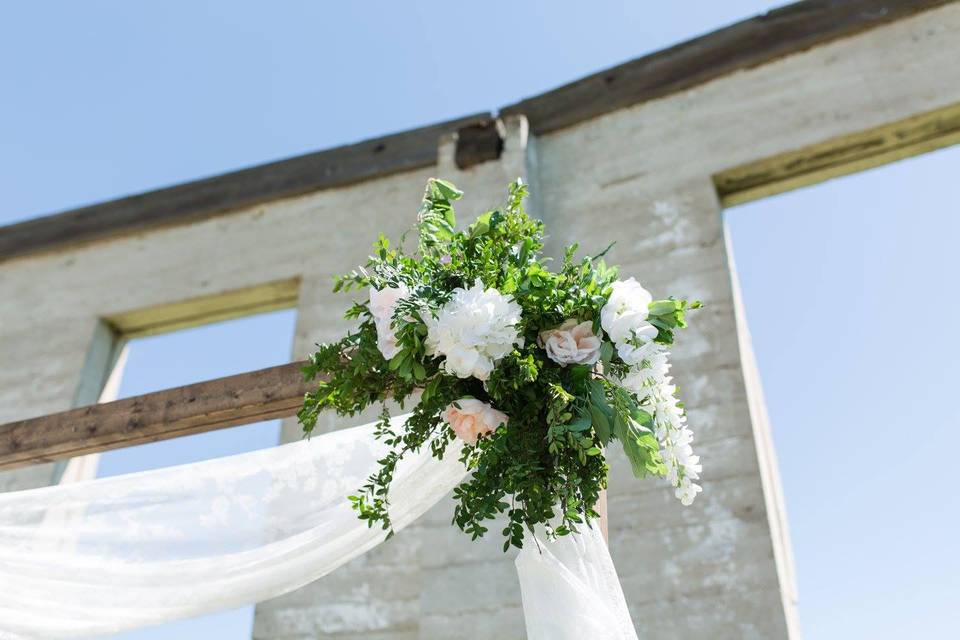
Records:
x=276, y=392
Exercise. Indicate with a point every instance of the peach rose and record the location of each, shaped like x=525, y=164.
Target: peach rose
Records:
x=470, y=418
x=571, y=343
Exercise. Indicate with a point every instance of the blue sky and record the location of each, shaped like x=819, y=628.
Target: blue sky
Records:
x=851, y=296
x=848, y=285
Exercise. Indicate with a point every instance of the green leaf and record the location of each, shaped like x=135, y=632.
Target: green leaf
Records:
x=642, y=417
x=663, y=322
x=606, y=352
x=397, y=360
x=663, y=307
x=580, y=372
x=481, y=225
x=447, y=189
x=601, y=424
x=641, y=448
x=418, y=371
x=582, y=423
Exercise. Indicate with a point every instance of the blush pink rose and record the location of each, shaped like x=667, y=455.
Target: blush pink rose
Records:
x=470, y=418
x=571, y=343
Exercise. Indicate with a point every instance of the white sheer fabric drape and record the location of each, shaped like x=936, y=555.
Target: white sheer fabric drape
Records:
x=104, y=556
x=107, y=555
x=571, y=590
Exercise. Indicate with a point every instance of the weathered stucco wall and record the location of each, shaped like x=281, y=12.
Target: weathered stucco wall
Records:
x=641, y=175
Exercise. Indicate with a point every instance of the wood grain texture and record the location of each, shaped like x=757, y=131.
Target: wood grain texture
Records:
x=751, y=43
x=276, y=392
x=202, y=199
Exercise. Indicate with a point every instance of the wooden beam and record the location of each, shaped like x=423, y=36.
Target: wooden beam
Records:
x=193, y=201
x=266, y=394
x=276, y=392
x=785, y=31
x=226, y=305
x=839, y=156
x=751, y=43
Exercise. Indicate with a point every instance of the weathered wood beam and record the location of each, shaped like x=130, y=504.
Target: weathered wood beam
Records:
x=841, y=156
x=193, y=312
x=751, y=43
x=244, y=398
x=276, y=392
x=744, y=45
x=201, y=199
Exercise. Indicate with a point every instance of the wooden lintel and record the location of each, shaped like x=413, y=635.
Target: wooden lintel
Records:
x=840, y=156
x=216, y=307
x=751, y=43
x=276, y=392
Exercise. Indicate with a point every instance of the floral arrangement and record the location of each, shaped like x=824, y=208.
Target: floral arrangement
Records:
x=536, y=371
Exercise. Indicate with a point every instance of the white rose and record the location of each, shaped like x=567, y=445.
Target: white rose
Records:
x=386, y=339
x=571, y=343
x=383, y=303
x=626, y=310
x=473, y=330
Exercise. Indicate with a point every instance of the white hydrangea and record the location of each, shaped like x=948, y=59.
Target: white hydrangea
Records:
x=473, y=330
x=625, y=312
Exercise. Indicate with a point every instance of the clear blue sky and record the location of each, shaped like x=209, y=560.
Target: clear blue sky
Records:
x=848, y=285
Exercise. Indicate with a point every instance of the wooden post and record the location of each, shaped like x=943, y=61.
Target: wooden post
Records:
x=601, y=508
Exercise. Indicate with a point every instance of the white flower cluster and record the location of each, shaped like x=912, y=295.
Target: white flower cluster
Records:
x=624, y=318
x=473, y=330
x=670, y=427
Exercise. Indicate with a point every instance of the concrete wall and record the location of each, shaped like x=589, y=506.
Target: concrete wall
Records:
x=641, y=175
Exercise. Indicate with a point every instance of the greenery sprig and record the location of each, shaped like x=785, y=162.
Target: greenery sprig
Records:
x=546, y=464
